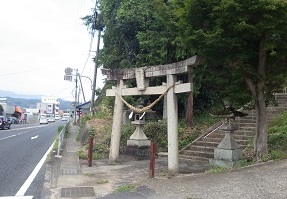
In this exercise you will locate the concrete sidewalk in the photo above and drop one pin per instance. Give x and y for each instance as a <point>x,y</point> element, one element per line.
<point>69,178</point>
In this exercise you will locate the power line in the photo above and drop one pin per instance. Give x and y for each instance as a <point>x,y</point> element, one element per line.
<point>20,72</point>
<point>89,54</point>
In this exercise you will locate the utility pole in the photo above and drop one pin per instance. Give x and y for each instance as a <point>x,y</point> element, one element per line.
<point>95,72</point>
<point>82,89</point>
<point>76,98</point>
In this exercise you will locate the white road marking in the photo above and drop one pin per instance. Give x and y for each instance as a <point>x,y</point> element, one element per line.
<point>32,176</point>
<point>16,197</point>
<point>35,137</point>
<point>39,126</point>
<point>10,136</point>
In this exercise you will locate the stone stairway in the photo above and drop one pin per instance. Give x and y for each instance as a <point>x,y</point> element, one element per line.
<point>202,149</point>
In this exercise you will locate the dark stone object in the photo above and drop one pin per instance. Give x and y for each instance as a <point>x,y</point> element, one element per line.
<point>140,153</point>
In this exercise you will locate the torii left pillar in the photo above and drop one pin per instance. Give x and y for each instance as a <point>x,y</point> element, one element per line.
<point>116,128</point>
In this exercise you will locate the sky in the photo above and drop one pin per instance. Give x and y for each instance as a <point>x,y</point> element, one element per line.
<point>39,39</point>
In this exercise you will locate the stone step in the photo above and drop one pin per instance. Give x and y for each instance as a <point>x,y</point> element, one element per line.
<point>246,123</point>
<point>242,137</point>
<point>248,133</point>
<point>204,154</point>
<point>207,144</point>
<point>193,157</point>
<point>200,148</point>
<point>204,147</point>
<point>216,134</point>
<point>215,144</point>
<point>247,128</point>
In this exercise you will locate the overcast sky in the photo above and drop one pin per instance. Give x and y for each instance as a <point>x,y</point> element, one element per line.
<point>38,40</point>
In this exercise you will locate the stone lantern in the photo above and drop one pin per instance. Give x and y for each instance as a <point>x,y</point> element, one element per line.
<point>227,153</point>
<point>138,144</point>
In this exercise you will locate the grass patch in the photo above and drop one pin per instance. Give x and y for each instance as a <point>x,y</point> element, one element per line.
<point>243,163</point>
<point>102,181</point>
<point>127,187</point>
<point>89,174</point>
<point>218,170</point>
<point>83,155</point>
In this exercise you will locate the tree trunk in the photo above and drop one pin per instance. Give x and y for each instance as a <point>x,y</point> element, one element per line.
<point>257,91</point>
<point>189,110</point>
<point>260,140</point>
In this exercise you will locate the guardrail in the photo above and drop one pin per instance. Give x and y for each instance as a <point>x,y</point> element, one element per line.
<point>61,140</point>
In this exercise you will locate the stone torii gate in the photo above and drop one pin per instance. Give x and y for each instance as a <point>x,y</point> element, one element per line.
<point>171,88</point>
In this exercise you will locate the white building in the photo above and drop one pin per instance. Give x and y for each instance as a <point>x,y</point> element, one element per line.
<point>49,105</point>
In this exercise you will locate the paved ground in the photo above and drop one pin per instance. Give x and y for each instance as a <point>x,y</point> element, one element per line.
<point>67,177</point>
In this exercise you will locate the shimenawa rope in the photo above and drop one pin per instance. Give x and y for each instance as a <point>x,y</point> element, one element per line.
<point>144,109</point>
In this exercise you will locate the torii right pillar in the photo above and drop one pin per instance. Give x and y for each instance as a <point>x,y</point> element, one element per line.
<point>172,123</point>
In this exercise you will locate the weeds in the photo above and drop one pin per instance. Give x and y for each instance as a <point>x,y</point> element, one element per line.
<point>217,170</point>
<point>102,182</point>
<point>128,187</point>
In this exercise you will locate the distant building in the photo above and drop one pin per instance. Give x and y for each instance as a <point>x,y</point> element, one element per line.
<point>31,111</point>
<point>8,110</point>
<point>49,105</point>
<point>67,113</point>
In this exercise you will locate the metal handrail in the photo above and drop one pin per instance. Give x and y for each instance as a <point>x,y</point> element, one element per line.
<point>61,140</point>
<point>210,134</point>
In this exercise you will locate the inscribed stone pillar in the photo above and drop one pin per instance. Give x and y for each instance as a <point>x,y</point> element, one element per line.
<point>117,124</point>
<point>172,123</point>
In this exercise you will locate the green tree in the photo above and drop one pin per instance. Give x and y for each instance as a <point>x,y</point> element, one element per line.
<point>246,37</point>
<point>140,33</point>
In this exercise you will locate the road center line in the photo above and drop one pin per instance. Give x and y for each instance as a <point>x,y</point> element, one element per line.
<point>10,136</point>
<point>32,176</point>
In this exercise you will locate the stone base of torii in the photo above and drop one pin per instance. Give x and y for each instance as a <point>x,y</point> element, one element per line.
<point>172,86</point>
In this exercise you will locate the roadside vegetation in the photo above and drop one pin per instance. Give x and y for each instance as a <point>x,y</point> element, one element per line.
<point>56,143</point>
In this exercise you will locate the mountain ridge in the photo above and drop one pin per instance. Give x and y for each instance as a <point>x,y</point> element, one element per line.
<point>29,101</point>
<point>16,95</point>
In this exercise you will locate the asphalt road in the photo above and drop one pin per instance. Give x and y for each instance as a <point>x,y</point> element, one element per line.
<point>22,147</point>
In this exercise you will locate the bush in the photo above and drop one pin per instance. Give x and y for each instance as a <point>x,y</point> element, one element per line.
<point>277,141</point>
<point>60,128</point>
<point>104,110</point>
<point>277,138</point>
<point>101,150</point>
<point>126,132</point>
<point>277,155</point>
<point>186,136</point>
<point>157,132</point>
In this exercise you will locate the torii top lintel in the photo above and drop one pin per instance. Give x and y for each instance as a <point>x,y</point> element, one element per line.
<point>152,71</point>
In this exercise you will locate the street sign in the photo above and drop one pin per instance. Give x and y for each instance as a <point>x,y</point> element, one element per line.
<point>68,77</point>
<point>68,71</point>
